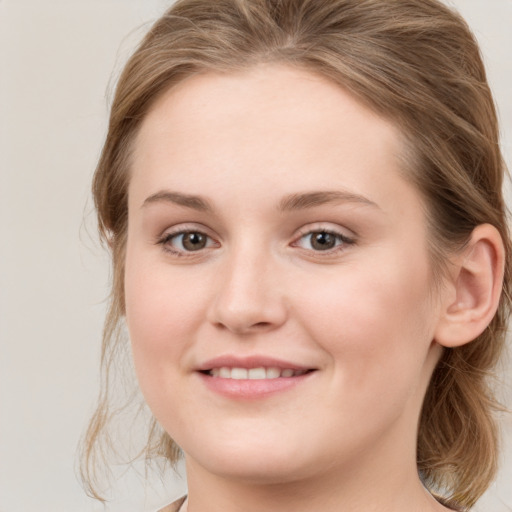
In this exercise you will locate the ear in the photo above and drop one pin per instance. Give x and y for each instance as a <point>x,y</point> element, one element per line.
<point>473,288</point>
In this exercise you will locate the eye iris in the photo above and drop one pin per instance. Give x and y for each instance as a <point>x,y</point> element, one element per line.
<point>322,241</point>
<point>194,241</point>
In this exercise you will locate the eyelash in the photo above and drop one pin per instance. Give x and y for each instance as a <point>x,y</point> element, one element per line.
<point>342,241</point>
<point>165,240</point>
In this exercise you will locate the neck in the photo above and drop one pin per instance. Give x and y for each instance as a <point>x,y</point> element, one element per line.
<point>366,487</point>
<point>378,475</point>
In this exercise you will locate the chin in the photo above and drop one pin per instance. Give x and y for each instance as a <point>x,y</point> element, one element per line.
<point>252,464</point>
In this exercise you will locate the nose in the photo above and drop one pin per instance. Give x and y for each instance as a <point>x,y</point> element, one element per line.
<point>249,295</point>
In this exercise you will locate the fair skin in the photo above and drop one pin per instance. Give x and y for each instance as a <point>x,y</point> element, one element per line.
<point>270,225</point>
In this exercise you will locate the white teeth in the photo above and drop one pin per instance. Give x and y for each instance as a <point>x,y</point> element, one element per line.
<point>259,373</point>
<point>225,373</point>
<point>239,373</point>
<point>273,373</point>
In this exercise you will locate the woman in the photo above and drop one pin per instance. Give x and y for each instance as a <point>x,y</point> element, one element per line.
<point>303,202</point>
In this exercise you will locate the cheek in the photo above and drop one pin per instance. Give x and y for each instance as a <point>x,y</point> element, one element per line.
<point>162,313</point>
<point>375,321</point>
<point>163,308</point>
<point>161,299</point>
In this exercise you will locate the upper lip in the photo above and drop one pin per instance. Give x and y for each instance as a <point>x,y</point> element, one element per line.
<point>255,361</point>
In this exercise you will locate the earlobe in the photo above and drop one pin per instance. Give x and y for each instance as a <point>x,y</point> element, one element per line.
<point>475,288</point>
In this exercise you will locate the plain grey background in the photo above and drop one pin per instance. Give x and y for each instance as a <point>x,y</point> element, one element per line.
<point>58,60</point>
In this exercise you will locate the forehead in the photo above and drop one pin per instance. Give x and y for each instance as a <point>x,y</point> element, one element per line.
<point>271,122</point>
<point>272,92</point>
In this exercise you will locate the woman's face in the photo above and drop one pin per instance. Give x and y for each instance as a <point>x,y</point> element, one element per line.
<point>278,286</point>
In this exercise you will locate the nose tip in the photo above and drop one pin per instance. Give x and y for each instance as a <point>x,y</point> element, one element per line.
<point>244,321</point>
<point>244,315</point>
<point>248,300</point>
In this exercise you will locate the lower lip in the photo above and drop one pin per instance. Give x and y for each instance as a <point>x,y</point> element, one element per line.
<point>249,389</point>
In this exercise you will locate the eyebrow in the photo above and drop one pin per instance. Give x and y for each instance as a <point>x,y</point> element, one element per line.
<point>312,199</point>
<point>189,201</point>
<point>292,202</point>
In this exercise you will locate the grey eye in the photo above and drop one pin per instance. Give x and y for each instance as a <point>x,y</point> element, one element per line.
<point>322,241</point>
<point>192,241</point>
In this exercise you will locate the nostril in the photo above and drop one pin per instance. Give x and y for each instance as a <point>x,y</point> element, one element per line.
<point>258,326</point>
<point>261,325</point>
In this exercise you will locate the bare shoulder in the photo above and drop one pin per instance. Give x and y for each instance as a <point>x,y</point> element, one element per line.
<point>174,506</point>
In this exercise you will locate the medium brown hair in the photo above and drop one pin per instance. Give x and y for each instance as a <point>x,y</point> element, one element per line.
<point>416,63</point>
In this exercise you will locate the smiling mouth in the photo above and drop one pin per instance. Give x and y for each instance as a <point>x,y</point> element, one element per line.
<point>260,373</point>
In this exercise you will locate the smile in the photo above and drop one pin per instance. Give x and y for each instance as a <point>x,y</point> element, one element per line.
<point>252,377</point>
<point>260,373</point>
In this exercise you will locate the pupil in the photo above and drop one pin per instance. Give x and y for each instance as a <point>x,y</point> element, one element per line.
<point>323,241</point>
<point>194,241</point>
